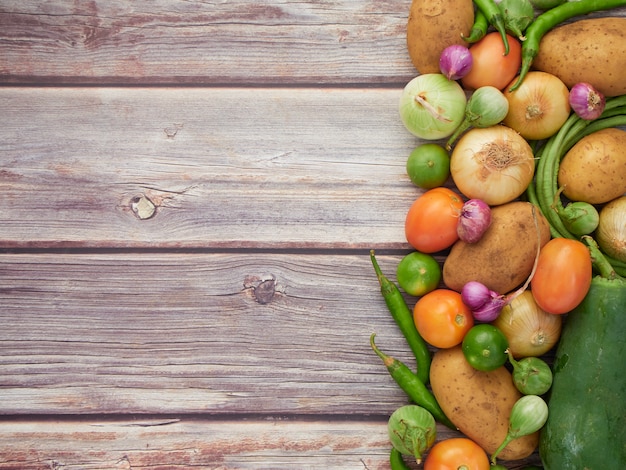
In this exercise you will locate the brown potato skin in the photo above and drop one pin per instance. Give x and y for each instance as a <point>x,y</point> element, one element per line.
<point>594,170</point>
<point>590,50</point>
<point>434,25</point>
<point>478,403</point>
<point>504,257</point>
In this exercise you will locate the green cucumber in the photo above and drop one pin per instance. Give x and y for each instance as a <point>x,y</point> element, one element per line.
<point>586,427</point>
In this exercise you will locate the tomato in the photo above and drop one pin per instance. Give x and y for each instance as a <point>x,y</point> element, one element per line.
<point>484,347</point>
<point>418,273</point>
<point>456,453</point>
<point>432,220</point>
<point>428,166</point>
<point>442,318</point>
<point>490,66</point>
<point>563,275</point>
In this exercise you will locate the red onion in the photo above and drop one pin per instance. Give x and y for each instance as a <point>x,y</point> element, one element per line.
<point>484,303</point>
<point>455,61</point>
<point>474,220</point>
<point>587,102</point>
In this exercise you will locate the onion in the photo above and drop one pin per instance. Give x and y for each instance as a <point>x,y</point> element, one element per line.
<point>539,107</point>
<point>587,102</point>
<point>611,232</point>
<point>494,164</point>
<point>474,220</point>
<point>432,107</point>
<point>484,303</point>
<point>455,61</point>
<point>530,330</point>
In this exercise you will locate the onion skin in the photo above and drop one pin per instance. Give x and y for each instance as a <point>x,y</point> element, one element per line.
<point>494,164</point>
<point>587,102</point>
<point>611,233</point>
<point>530,330</point>
<point>474,221</point>
<point>455,61</point>
<point>432,107</point>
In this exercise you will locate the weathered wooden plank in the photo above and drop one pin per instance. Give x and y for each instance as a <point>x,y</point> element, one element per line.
<point>226,167</point>
<point>159,444</point>
<point>195,333</point>
<point>220,42</point>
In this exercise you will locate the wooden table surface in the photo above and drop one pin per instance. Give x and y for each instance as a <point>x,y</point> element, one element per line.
<point>188,195</point>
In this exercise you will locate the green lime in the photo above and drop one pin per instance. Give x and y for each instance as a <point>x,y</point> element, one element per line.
<point>428,166</point>
<point>484,347</point>
<point>418,273</point>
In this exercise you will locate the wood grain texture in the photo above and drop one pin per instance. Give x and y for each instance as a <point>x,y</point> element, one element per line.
<point>214,444</point>
<point>208,42</point>
<point>195,333</point>
<point>225,167</point>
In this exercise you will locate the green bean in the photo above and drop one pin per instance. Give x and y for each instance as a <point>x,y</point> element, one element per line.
<point>412,385</point>
<point>551,18</point>
<point>479,29</point>
<point>495,18</point>
<point>544,191</point>
<point>396,461</point>
<point>404,319</point>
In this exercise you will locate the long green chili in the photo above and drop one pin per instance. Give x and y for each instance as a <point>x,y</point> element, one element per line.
<point>396,460</point>
<point>495,18</point>
<point>551,18</point>
<point>479,29</point>
<point>404,319</point>
<point>412,385</point>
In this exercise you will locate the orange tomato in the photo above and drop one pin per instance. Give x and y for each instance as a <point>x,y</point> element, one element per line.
<point>455,453</point>
<point>563,275</point>
<point>431,222</point>
<point>442,318</point>
<point>490,66</point>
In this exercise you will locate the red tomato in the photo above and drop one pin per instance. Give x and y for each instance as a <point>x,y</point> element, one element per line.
<point>456,453</point>
<point>442,318</point>
<point>431,222</point>
<point>563,275</point>
<point>490,66</point>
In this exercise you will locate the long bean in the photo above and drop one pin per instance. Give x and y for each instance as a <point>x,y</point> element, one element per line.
<point>551,18</point>
<point>404,319</point>
<point>495,18</point>
<point>412,385</point>
<point>544,191</point>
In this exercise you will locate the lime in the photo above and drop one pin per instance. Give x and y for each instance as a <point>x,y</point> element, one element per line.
<point>418,273</point>
<point>484,347</point>
<point>428,166</point>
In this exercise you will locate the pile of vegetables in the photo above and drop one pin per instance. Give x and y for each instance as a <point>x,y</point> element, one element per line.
<point>518,334</point>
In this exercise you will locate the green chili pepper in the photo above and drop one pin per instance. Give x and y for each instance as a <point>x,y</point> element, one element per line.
<point>479,29</point>
<point>551,18</point>
<point>494,16</point>
<point>412,385</point>
<point>396,460</point>
<point>404,319</point>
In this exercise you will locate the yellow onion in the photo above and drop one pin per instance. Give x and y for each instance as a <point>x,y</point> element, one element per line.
<point>611,232</point>
<point>530,330</point>
<point>494,164</point>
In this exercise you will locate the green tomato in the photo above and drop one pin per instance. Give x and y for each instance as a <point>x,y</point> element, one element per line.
<point>428,166</point>
<point>418,273</point>
<point>485,347</point>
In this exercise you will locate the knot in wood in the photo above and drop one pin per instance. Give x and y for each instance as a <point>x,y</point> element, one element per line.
<point>264,292</point>
<point>143,207</point>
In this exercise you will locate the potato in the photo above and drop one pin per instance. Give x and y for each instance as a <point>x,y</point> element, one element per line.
<point>434,25</point>
<point>478,403</point>
<point>504,257</point>
<point>594,170</point>
<point>590,50</point>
